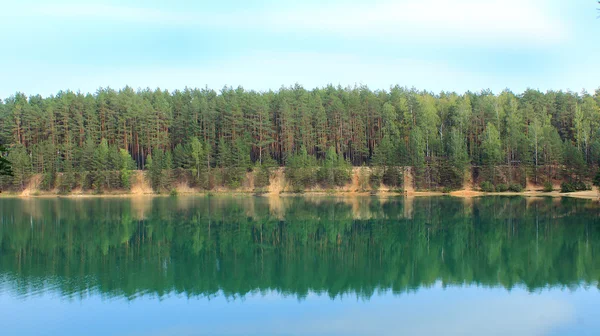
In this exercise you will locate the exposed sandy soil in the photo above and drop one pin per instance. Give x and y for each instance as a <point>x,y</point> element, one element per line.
<point>32,186</point>
<point>466,193</point>
<point>530,186</point>
<point>588,194</point>
<point>355,185</point>
<point>139,185</point>
<point>276,182</point>
<point>409,184</point>
<point>278,187</point>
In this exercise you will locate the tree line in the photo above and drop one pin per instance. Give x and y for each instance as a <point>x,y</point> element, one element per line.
<point>235,246</point>
<point>214,138</point>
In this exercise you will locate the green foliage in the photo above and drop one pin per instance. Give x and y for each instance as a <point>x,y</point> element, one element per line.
<point>101,166</point>
<point>487,187</point>
<point>198,159</point>
<point>501,187</point>
<point>386,160</point>
<point>67,180</point>
<point>515,187</point>
<point>87,158</point>
<point>21,166</point>
<point>384,153</point>
<point>334,171</point>
<point>241,153</point>
<point>158,170</point>
<point>575,166</point>
<point>450,176</point>
<point>232,177</point>
<point>224,134</point>
<point>125,160</point>
<point>458,158</point>
<point>566,187</point>
<point>393,177</point>
<point>48,181</point>
<point>167,167</point>
<point>596,181</point>
<point>417,155</point>
<point>125,176</point>
<point>363,179</point>
<point>491,146</point>
<point>101,156</point>
<point>182,156</point>
<point>573,186</point>
<point>232,171</point>
<point>261,178</point>
<point>301,170</point>
<point>5,167</point>
<point>548,186</point>
<point>262,173</point>
<point>125,164</point>
<point>198,155</point>
<point>375,179</point>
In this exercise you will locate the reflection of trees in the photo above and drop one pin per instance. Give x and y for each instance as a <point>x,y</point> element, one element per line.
<point>238,245</point>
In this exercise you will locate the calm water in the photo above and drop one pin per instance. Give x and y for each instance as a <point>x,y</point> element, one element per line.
<point>299,266</point>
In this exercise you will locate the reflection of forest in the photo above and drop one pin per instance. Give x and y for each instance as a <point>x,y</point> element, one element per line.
<point>203,245</point>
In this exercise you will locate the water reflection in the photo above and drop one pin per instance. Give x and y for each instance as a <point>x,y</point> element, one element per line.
<point>236,246</point>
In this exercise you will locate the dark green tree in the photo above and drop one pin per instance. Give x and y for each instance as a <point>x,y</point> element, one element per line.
<point>5,167</point>
<point>21,166</point>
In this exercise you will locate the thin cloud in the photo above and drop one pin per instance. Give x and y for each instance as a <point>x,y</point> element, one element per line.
<point>263,71</point>
<point>121,14</point>
<point>430,21</point>
<point>490,21</point>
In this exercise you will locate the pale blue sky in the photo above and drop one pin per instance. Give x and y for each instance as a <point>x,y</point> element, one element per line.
<point>436,45</point>
<point>452,310</point>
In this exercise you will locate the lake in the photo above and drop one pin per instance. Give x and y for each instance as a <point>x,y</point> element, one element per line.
<point>244,265</point>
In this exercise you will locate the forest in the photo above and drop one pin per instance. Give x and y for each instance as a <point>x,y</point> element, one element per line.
<point>209,138</point>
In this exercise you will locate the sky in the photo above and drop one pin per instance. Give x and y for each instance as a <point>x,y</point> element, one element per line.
<point>451,310</point>
<point>434,45</point>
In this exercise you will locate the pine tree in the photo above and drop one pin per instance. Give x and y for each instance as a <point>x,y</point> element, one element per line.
<point>197,154</point>
<point>167,167</point>
<point>154,166</point>
<point>326,174</point>
<point>126,166</point>
<point>240,129</point>
<point>491,149</point>
<point>101,166</point>
<point>241,152</point>
<point>181,156</point>
<point>67,180</point>
<point>21,166</point>
<point>5,166</point>
<point>88,156</point>
<point>385,162</point>
<point>458,159</point>
<point>417,155</point>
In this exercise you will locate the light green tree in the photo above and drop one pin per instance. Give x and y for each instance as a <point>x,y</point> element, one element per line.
<point>21,166</point>
<point>197,152</point>
<point>491,147</point>
<point>5,166</point>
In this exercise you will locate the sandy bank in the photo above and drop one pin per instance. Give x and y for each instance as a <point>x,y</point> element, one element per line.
<point>465,193</point>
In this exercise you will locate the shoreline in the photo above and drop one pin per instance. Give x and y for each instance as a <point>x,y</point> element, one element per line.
<point>279,187</point>
<point>464,193</point>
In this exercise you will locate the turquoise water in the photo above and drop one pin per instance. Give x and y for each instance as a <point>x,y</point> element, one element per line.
<point>299,266</point>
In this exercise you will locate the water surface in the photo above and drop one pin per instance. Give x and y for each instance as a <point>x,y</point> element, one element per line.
<point>242,265</point>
